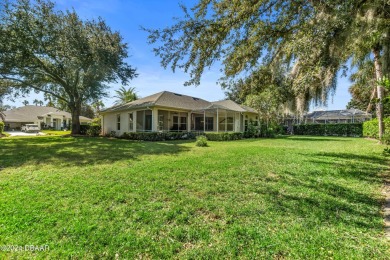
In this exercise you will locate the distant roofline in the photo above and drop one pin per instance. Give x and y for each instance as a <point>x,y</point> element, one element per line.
<point>152,103</point>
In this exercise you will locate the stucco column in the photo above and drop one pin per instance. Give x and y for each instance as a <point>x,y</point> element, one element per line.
<point>135,121</point>
<point>102,131</point>
<point>237,126</point>
<point>217,121</point>
<point>189,122</point>
<point>154,120</point>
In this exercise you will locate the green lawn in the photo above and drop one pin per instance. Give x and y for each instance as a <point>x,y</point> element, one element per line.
<point>295,197</point>
<point>56,132</point>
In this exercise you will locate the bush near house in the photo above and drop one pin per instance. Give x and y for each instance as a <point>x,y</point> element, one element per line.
<point>90,130</point>
<point>201,141</point>
<point>224,136</point>
<point>1,127</point>
<point>370,128</point>
<point>354,130</point>
<point>157,136</point>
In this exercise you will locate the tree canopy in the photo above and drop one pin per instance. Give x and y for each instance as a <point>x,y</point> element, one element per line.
<point>124,95</point>
<point>314,39</point>
<point>57,53</point>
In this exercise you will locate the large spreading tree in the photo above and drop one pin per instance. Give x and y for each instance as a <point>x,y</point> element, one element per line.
<point>316,39</point>
<point>57,53</point>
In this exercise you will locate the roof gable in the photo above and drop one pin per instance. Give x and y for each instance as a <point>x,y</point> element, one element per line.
<point>178,101</point>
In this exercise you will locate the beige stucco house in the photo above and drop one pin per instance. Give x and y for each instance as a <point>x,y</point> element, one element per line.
<point>172,112</point>
<point>44,117</point>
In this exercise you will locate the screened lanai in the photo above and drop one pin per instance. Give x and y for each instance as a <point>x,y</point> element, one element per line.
<point>214,118</point>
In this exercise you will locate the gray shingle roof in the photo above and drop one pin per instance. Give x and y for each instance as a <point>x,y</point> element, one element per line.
<point>31,113</point>
<point>336,114</point>
<point>230,105</point>
<point>178,101</point>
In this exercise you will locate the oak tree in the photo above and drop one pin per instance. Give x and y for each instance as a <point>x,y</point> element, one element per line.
<point>57,53</point>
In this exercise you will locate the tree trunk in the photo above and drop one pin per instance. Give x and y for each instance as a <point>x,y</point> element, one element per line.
<point>379,105</point>
<point>75,108</point>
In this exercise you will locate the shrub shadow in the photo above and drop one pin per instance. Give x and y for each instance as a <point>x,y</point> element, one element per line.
<point>316,138</point>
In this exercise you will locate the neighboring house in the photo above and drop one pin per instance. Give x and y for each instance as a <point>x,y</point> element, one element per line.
<point>329,117</point>
<point>167,111</point>
<point>336,116</point>
<point>44,117</point>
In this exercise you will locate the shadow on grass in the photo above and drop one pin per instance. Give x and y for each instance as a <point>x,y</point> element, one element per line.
<point>315,138</point>
<point>356,166</point>
<point>356,158</point>
<point>328,201</point>
<point>332,195</point>
<point>70,151</point>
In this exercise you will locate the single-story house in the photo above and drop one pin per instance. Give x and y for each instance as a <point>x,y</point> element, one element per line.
<point>328,117</point>
<point>44,117</point>
<point>336,116</point>
<point>166,111</point>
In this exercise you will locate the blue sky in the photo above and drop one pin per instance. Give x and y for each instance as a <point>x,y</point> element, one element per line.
<point>126,16</point>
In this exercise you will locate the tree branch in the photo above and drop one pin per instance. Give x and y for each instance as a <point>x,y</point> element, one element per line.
<point>36,88</point>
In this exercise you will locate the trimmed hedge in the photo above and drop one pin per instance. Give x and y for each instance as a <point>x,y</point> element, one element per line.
<point>370,128</point>
<point>224,136</point>
<point>90,130</point>
<point>156,136</point>
<point>1,127</point>
<point>355,129</point>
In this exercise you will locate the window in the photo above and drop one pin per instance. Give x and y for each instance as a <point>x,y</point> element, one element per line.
<point>131,126</point>
<point>183,123</point>
<point>230,124</point>
<point>226,124</point>
<point>179,123</point>
<point>118,122</point>
<point>148,122</point>
<point>160,122</point>
<point>209,124</point>
<point>200,124</point>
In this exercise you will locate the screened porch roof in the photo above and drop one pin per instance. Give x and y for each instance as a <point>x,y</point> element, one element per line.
<point>178,101</point>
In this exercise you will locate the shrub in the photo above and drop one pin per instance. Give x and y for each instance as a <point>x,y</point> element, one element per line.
<point>157,136</point>
<point>93,130</point>
<point>225,136</point>
<point>386,152</point>
<point>386,139</point>
<point>355,129</point>
<point>201,141</point>
<point>252,130</point>
<point>1,127</point>
<point>370,128</point>
<point>269,133</point>
<point>90,130</point>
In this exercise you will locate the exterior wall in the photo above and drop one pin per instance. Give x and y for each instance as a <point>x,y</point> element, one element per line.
<point>162,120</point>
<point>109,123</point>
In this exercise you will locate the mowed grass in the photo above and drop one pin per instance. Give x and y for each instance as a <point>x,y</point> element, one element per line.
<point>291,197</point>
<point>56,132</point>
